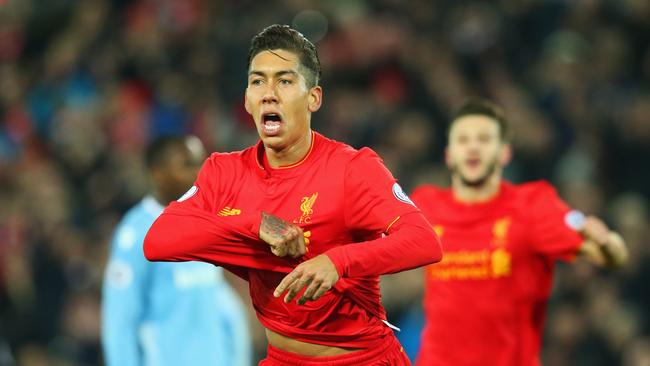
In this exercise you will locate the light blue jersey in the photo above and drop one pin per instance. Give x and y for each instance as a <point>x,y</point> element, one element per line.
<point>156,314</point>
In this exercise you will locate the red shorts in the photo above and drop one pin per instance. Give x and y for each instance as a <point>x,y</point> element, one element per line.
<point>387,352</point>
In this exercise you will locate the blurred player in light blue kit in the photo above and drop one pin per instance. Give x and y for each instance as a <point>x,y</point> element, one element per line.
<point>168,313</point>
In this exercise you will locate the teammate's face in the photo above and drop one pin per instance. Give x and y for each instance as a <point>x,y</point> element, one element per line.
<point>279,100</point>
<point>475,151</point>
<point>180,169</point>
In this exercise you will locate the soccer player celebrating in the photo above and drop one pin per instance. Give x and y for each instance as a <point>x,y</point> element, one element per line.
<point>484,304</point>
<point>168,313</point>
<point>301,217</point>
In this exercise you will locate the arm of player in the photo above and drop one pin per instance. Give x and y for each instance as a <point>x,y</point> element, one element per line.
<point>285,239</point>
<point>410,243</point>
<point>123,299</point>
<point>186,233</point>
<point>190,230</point>
<point>601,246</point>
<point>377,204</point>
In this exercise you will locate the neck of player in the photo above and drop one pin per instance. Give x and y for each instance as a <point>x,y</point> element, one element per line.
<point>290,154</point>
<point>476,193</point>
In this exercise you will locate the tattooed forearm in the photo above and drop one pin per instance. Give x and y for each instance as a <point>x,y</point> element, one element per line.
<point>283,238</point>
<point>274,225</point>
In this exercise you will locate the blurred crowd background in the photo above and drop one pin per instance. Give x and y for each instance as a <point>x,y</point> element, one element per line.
<point>84,85</point>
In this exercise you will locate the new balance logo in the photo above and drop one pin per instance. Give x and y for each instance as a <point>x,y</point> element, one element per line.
<point>227,211</point>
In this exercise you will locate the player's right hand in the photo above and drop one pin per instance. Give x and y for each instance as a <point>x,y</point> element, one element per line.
<point>595,229</point>
<point>285,239</point>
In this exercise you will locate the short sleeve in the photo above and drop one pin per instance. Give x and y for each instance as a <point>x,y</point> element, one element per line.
<point>554,225</point>
<point>374,199</point>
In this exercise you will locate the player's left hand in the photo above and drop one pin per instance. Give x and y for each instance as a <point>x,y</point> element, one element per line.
<point>318,274</point>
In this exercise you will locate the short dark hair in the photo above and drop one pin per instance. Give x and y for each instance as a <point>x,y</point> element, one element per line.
<point>158,151</point>
<point>487,108</point>
<point>283,37</point>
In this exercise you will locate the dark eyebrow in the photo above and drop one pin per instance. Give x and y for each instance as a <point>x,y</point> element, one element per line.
<point>277,74</point>
<point>286,72</point>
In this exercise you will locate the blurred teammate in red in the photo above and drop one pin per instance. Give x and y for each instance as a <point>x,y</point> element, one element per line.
<point>300,216</point>
<point>485,303</point>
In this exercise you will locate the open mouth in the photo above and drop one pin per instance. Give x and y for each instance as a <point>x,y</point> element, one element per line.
<point>473,162</point>
<point>271,123</point>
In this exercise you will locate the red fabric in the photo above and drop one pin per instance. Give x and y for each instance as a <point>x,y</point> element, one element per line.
<point>342,198</point>
<point>186,233</point>
<point>399,251</point>
<point>386,352</point>
<point>485,302</point>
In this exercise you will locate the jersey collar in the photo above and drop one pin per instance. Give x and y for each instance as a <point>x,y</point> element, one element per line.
<point>266,170</point>
<point>504,188</point>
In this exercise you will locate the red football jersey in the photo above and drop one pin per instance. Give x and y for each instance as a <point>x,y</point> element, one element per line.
<point>343,199</point>
<point>485,303</point>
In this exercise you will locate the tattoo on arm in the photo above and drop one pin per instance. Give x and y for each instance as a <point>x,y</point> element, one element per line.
<point>274,225</point>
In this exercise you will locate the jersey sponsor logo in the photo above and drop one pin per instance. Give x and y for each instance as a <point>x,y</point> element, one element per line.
<point>227,211</point>
<point>119,274</point>
<point>472,265</point>
<point>574,219</point>
<point>495,261</point>
<point>501,263</point>
<point>190,192</point>
<point>306,206</point>
<point>398,192</point>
